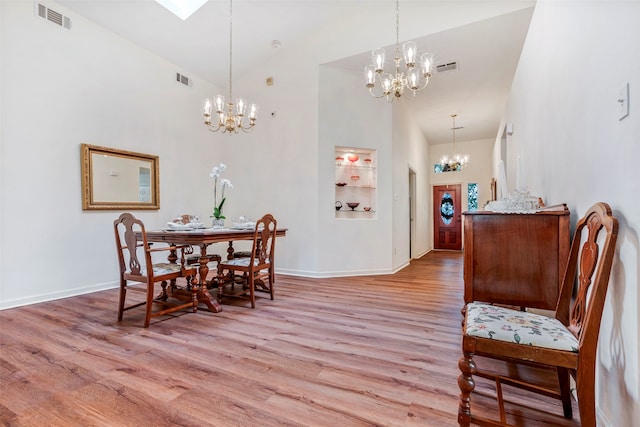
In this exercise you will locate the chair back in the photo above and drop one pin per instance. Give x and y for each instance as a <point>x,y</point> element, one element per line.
<point>127,244</point>
<point>264,241</point>
<point>590,261</point>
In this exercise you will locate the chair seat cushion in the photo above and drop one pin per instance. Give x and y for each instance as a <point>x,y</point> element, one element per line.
<point>242,254</point>
<point>520,327</point>
<point>193,259</point>
<point>165,268</point>
<point>241,262</point>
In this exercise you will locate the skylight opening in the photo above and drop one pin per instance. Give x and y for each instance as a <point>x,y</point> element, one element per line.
<point>182,8</point>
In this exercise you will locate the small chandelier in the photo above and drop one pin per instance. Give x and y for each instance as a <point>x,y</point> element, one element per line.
<point>412,78</point>
<point>229,121</point>
<point>457,161</point>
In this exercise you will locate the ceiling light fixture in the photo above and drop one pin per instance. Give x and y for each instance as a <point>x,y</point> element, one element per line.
<point>229,121</point>
<point>412,78</point>
<point>457,161</point>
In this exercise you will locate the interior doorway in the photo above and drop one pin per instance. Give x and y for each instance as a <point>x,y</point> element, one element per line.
<point>412,211</point>
<point>447,217</point>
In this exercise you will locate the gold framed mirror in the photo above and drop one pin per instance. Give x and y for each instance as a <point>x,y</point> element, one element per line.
<point>115,179</point>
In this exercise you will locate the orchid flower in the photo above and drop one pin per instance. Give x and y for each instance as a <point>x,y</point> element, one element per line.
<point>216,172</point>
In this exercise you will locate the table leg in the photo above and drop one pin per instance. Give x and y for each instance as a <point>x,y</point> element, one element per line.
<point>203,293</point>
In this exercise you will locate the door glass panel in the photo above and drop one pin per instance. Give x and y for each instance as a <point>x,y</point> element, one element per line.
<point>473,196</point>
<point>446,208</point>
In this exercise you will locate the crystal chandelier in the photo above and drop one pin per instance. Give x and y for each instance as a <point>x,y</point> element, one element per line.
<point>229,121</point>
<point>411,77</point>
<point>457,161</point>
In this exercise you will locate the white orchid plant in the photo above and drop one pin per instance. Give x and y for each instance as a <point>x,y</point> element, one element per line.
<point>216,173</point>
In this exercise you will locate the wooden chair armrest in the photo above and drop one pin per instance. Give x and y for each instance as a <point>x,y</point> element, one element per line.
<point>139,245</point>
<point>166,248</point>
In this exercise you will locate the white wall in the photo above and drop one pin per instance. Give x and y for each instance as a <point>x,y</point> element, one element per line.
<point>349,117</point>
<point>410,151</point>
<point>379,244</point>
<point>565,113</point>
<point>61,88</point>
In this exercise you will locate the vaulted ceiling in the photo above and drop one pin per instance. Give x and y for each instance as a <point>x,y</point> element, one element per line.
<point>486,51</point>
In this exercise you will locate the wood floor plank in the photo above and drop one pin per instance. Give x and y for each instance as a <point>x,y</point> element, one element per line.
<point>346,351</point>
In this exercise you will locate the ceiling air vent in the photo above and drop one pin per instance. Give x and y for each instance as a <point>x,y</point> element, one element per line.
<point>450,66</point>
<point>183,79</point>
<point>53,16</point>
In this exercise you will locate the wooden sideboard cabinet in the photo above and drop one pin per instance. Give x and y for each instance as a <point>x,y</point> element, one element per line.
<point>515,259</point>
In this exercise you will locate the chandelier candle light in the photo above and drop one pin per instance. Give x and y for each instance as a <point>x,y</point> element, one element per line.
<point>411,77</point>
<point>229,121</point>
<point>457,161</point>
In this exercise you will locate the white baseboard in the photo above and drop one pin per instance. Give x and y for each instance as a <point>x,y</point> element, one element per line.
<point>327,274</point>
<point>601,419</point>
<point>19,302</point>
<point>421,254</point>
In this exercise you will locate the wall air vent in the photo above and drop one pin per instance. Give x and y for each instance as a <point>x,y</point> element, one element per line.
<point>53,16</point>
<point>449,66</point>
<point>183,79</point>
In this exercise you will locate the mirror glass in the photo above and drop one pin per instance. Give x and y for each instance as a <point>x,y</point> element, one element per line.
<point>118,179</point>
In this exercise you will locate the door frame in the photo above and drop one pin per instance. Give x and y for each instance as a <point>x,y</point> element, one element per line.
<point>463,203</point>
<point>412,211</point>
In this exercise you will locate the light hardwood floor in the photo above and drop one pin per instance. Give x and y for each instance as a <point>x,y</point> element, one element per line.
<point>353,351</point>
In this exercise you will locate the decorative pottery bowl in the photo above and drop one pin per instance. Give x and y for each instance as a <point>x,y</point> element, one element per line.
<point>367,208</point>
<point>353,205</point>
<point>341,184</point>
<point>353,158</point>
<point>338,205</point>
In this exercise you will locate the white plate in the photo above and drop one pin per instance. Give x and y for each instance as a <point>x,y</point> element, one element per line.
<point>247,226</point>
<point>178,227</point>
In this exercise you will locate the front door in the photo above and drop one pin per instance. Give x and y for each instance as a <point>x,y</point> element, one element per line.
<point>447,218</point>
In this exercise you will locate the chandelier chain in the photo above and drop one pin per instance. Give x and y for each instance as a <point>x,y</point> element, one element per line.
<point>454,131</point>
<point>230,116</point>
<point>230,50</point>
<point>397,28</point>
<point>456,161</point>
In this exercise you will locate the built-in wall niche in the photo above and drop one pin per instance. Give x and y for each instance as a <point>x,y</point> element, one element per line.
<point>355,183</point>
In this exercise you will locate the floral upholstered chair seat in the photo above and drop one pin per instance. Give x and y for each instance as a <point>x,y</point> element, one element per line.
<point>166,268</point>
<point>520,327</point>
<point>244,262</point>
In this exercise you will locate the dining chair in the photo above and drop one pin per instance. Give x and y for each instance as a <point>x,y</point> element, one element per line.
<point>241,277</point>
<point>566,342</point>
<point>137,267</point>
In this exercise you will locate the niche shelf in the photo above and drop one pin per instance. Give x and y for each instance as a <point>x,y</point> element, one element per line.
<point>355,182</point>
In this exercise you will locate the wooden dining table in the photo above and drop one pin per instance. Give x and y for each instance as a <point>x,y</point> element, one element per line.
<point>202,238</point>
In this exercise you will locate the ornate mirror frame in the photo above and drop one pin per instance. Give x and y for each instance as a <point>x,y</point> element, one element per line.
<point>114,179</point>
